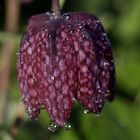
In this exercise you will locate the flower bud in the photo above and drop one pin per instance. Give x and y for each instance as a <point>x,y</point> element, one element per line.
<point>65,59</point>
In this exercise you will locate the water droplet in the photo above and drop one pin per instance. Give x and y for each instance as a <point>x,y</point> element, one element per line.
<point>100,100</point>
<point>97,21</point>
<point>96,101</point>
<point>106,64</point>
<point>49,35</point>
<point>53,15</point>
<point>97,115</point>
<point>104,34</point>
<point>33,109</point>
<point>107,92</point>
<point>86,111</point>
<point>72,31</point>
<point>74,100</point>
<point>112,61</point>
<point>52,126</point>
<point>24,99</point>
<point>66,17</point>
<point>38,50</point>
<point>21,62</point>
<point>99,90</point>
<point>80,26</point>
<point>52,77</point>
<point>36,118</point>
<point>29,51</point>
<point>100,105</point>
<point>83,36</point>
<point>17,53</point>
<point>42,107</point>
<point>29,110</point>
<point>67,126</point>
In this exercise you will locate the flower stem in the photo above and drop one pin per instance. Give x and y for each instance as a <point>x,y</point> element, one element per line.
<point>56,8</point>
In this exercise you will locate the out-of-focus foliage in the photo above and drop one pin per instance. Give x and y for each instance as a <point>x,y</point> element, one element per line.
<point>120,120</point>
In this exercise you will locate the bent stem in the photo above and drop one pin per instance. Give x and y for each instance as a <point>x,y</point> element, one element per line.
<point>56,7</point>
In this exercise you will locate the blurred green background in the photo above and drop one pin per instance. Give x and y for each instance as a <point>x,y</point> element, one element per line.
<point>119,120</point>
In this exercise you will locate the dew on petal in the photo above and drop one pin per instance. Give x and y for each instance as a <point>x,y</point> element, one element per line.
<point>66,17</point>
<point>53,127</point>
<point>67,126</point>
<point>74,100</point>
<point>52,78</point>
<point>29,50</point>
<point>86,111</point>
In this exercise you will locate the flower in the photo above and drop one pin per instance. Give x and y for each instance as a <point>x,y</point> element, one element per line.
<point>63,59</point>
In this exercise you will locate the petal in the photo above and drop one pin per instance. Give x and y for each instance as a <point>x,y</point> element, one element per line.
<point>50,59</point>
<point>38,22</point>
<point>96,67</point>
<point>61,73</point>
<point>28,83</point>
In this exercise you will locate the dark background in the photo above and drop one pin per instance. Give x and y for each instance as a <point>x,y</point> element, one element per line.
<point>119,120</point>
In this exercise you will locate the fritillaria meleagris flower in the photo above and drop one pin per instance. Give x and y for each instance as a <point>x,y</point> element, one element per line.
<point>63,58</point>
